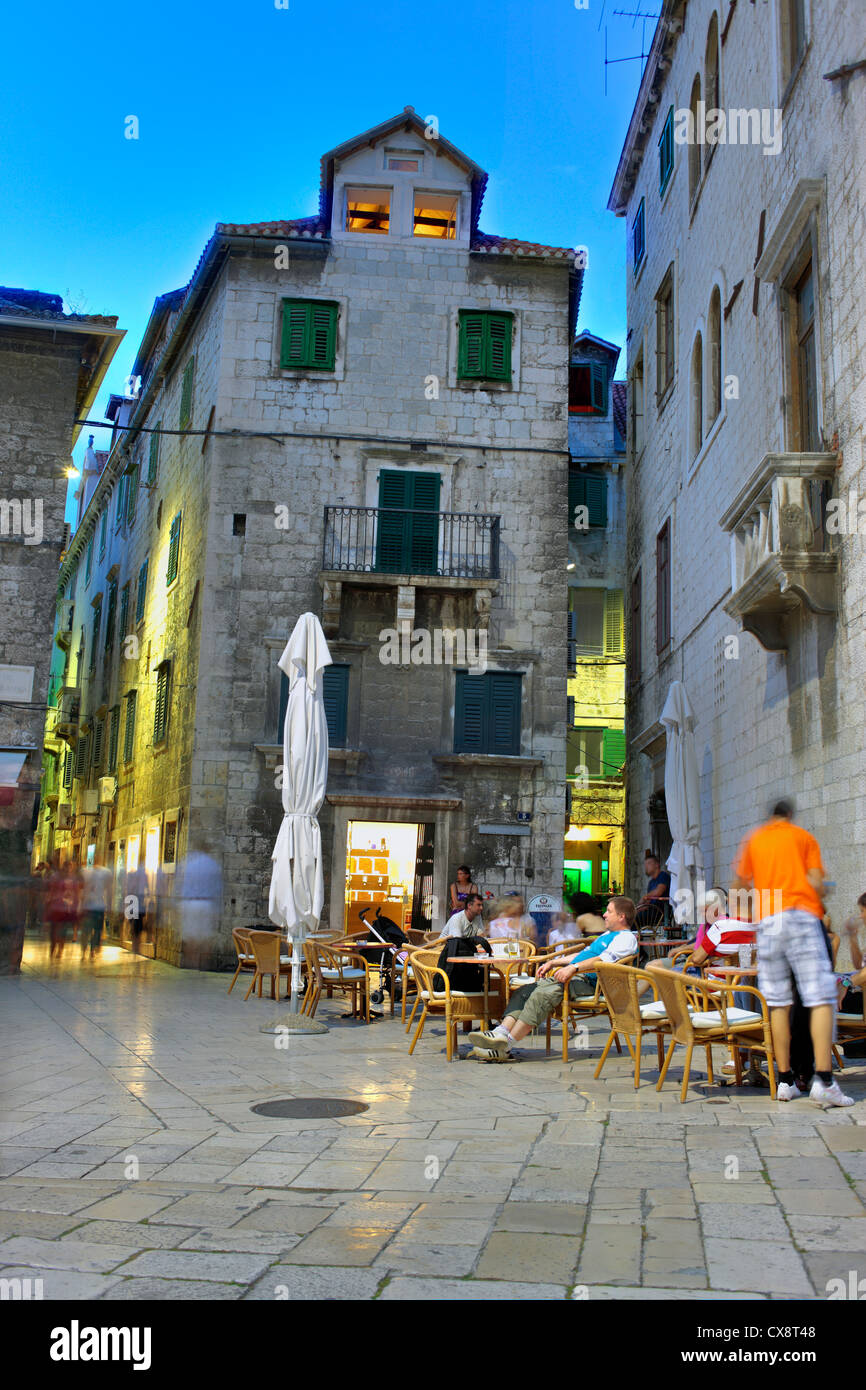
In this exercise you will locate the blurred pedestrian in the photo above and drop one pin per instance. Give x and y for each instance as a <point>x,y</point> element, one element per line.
<point>96,884</point>
<point>62,895</point>
<point>198,892</point>
<point>135,905</point>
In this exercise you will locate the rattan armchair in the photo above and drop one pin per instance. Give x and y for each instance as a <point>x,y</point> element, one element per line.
<point>332,969</point>
<point>588,1007</point>
<point>630,1018</point>
<point>436,996</point>
<point>704,1014</point>
<point>268,949</point>
<point>246,959</point>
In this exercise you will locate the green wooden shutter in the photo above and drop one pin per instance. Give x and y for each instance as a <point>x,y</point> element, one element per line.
<point>392,529</point>
<point>595,493</point>
<point>613,622</point>
<point>295,337</point>
<point>153,457</point>
<point>88,566</point>
<point>94,635</point>
<point>504,713</point>
<point>309,334</point>
<point>576,495</point>
<point>113,731</point>
<point>323,336</point>
<point>121,501</point>
<point>103,526</point>
<point>471,714</point>
<point>613,752</point>
<point>185,418</point>
<point>82,751</point>
<point>173,551</point>
<point>132,495</point>
<point>160,709</point>
<point>110,615</point>
<point>68,766</point>
<point>141,590</point>
<point>335,692</point>
<point>598,387</point>
<point>424,530</point>
<point>123,621</point>
<point>129,730</point>
<point>470,350</point>
<point>98,743</point>
<point>499,347</point>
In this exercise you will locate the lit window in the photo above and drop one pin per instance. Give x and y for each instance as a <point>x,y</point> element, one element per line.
<point>405,166</point>
<point>435,215</point>
<point>368,210</point>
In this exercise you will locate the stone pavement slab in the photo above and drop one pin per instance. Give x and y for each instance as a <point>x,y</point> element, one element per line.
<point>536,1257</point>
<point>234,1268</point>
<point>88,1257</point>
<point>494,1290</point>
<point>732,1265</point>
<point>65,1285</point>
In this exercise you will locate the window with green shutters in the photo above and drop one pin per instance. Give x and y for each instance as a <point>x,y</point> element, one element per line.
<point>141,592</point>
<point>587,490</point>
<point>407,534</point>
<point>68,768</point>
<point>129,728</point>
<point>613,752</point>
<point>123,620</point>
<point>113,732</point>
<point>88,564</point>
<point>335,693</point>
<point>487,713</point>
<point>598,616</point>
<point>160,710</point>
<point>103,527</point>
<point>309,336</point>
<point>484,345</point>
<point>153,455</point>
<point>94,636</point>
<point>173,551</point>
<point>614,623</point>
<point>82,755</point>
<point>587,388</point>
<point>132,495</point>
<point>185,418</point>
<point>110,614</point>
<point>98,743</point>
<point>638,238</point>
<point>666,152</point>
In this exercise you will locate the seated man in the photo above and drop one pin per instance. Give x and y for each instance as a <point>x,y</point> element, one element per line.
<point>719,935</point>
<point>469,921</point>
<point>651,908</point>
<point>531,1005</point>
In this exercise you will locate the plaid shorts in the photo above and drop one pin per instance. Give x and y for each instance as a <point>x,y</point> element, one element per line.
<point>791,944</point>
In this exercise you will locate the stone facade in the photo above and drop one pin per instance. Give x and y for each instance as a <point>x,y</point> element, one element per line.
<point>285,443</point>
<point>746,445</point>
<point>51,365</point>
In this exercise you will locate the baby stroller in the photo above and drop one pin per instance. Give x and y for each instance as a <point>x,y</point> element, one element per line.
<point>386,931</point>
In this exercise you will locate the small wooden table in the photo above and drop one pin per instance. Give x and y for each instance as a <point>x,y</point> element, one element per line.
<point>488,962</point>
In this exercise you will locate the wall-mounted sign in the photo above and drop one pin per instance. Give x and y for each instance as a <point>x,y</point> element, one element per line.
<point>524,816</point>
<point>545,902</point>
<point>504,830</point>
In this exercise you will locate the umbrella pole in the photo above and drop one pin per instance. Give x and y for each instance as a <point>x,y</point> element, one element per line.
<point>294,1022</point>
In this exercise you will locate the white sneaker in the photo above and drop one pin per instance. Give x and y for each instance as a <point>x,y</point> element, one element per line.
<point>490,1041</point>
<point>787,1091</point>
<point>829,1095</point>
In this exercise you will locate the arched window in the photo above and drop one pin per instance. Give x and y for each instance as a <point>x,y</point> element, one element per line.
<point>714,376</point>
<point>696,399</point>
<point>694,146</point>
<point>711,66</point>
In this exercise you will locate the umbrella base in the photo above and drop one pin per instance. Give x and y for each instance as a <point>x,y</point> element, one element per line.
<point>294,1024</point>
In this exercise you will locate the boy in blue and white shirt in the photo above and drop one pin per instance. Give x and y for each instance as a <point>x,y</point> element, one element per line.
<point>531,1005</point>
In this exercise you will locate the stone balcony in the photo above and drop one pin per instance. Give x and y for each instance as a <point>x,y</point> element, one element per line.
<point>779,555</point>
<point>406,549</point>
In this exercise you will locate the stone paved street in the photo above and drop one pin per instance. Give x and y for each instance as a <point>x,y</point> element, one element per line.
<point>470,1180</point>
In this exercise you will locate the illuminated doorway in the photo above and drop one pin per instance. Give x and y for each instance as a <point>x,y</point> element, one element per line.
<point>389,865</point>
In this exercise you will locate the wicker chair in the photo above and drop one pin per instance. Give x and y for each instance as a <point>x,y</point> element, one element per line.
<point>267,948</point>
<point>437,997</point>
<point>334,969</point>
<point>572,1009</point>
<point>704,1013</point>
<point>246,959</point>
<point>630,1018</point>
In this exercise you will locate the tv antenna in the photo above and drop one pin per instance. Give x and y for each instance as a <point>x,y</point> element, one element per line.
<point>634,16</point>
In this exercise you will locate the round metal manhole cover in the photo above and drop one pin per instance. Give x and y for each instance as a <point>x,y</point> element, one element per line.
<point>309,1108</point>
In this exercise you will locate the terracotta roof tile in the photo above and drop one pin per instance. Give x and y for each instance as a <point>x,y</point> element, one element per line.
<point>619,396</point>
<point>512,246</point>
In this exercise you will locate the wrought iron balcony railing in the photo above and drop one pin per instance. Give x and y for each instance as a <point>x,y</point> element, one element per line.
<point>392,540</point>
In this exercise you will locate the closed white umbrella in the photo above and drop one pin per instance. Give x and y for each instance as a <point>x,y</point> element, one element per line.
<point>682,797</point>
<point>297,893</point>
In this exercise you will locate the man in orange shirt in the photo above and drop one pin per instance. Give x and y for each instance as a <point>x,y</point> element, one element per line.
<point>782,862</point>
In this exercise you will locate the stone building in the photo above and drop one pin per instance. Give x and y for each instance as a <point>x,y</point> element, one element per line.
<point>595,834</point>
<point>742,185</point>
<point>361,414</point>
<point>51,367</point>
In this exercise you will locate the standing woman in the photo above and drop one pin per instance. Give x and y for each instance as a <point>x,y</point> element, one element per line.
<point>461,888</point>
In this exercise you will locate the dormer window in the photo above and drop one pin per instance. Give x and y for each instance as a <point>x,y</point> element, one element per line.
<point>435,215</point>
<point>368,210</point>
<point>587,388</point>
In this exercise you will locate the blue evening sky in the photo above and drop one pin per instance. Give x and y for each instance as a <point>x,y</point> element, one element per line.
<point>236,102</point>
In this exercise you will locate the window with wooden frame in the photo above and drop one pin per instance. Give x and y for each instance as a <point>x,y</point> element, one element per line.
<point>696,398</point>
<point>587,491</point>
<point>638,237</point>
<point>484,345</point>
<point>94,636</point>
<point>792,16</point>
<point>88,562</point>
<point>173,564</point>
<point>141,591</point>
<point>714,362</point>
<point>435,215</point>
<point>638,406</point>
<point>487,713</point>
<point>98,744</point>
<point>161,702</point>
<point>186,390</point>
<point>666,152</point>
<point>636,629</point>
<point>131,494</point>
<point>588,388</point>
<point>665,334</point>
<point>153,455</point>
<point>110,612</point>
<point>103,527</point>
<point>120,501</point>
<point>598,622</point>
<point>696,144</point>
<point>663,588</point>
<point>113,732</point>
<point>82,755</point>
<point>368,210</point>
<point>711,76</point>
<point>309,334</point>
<point>800,322</point>
<point>123,618</point>
<point>129,726</point>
